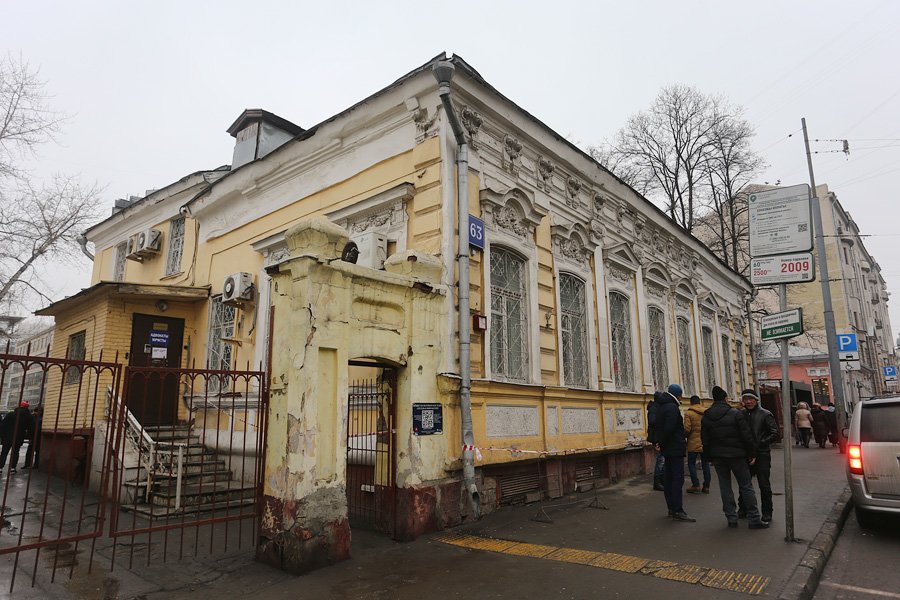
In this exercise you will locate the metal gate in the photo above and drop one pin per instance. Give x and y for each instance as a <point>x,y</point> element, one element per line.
<point>104,488</point>
<point>371,461</point>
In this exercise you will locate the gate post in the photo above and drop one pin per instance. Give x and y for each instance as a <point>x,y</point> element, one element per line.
<point>304,514</point>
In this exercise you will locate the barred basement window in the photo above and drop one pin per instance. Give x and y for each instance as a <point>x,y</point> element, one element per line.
<point>218,352</point>
<point>509,321</point>
<point>742,365</point>
<point>728,364</point>
<point>620,324</point>
<point>658,358</point>
<point>685,356</point>
<point>573,324</point>
<point>176,246</point>
<point>709,359</point>
<point>119,271</point>
<point>76,351</point>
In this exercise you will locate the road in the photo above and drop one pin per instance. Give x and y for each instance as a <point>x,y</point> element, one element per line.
<point>863,564</point>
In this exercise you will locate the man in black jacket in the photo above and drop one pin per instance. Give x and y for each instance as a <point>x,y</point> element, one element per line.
<point>671,443</point>
<point>16,427</point>
<point>659,465</point>
<point>765,432</point>
<point>729,443</point>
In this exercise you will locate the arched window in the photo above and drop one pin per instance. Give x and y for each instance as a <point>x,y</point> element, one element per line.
<point>709,359</point>
<point>620,326</point>
<point>573,325</point>
<point>685,357</point>
<point>658,358</point>
<point>742,369</point>
<point>509,315</point>
<point>727,364</point>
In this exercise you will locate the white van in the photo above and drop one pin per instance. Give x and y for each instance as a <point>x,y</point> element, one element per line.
<point>873,453</point>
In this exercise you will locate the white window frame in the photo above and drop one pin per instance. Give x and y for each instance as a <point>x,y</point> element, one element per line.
<point>687,386</point>
<point>219,353</point>
<point>728,364</point>
<point>708,352</point>
<point>528,324</point>
<point>665,350</point>
<point>629,305</point>
<point>741,361</point>
<point>175,251</point>
<point>587,326</point>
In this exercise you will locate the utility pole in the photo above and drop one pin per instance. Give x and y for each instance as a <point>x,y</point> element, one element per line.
<point>834,364</point>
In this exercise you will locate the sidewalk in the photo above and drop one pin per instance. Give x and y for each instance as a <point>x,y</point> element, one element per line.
<point>630,550</point>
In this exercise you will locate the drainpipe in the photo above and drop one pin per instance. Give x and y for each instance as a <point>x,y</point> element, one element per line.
<point>443,72</point>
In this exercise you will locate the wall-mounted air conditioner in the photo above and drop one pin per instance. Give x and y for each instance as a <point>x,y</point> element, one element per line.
<point>238,287</point>
<point>147,242</point>
<point>131,248</point>
<point>372,249</point>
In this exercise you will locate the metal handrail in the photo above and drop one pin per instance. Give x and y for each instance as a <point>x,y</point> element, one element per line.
<point>135,431</point>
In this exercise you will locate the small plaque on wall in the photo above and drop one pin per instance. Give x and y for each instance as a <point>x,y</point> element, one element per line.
<point>428,419</point>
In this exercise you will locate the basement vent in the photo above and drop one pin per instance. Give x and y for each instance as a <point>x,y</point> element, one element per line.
<point>513,488</point>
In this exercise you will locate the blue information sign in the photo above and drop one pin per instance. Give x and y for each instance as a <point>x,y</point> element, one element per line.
<point>159,338</point>
<point>476,232</point>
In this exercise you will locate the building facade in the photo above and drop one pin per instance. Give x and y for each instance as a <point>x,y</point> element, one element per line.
<point>584,300</point>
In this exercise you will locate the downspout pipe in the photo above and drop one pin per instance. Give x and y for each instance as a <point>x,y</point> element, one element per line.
<point>443,71</point>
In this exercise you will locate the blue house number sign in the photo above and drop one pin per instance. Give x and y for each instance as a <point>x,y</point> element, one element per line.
<point>476,232</point>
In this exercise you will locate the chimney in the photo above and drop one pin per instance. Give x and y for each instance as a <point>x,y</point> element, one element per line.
<point>258,132</point>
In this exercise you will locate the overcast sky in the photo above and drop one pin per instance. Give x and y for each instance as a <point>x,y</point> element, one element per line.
<point>152,86</point>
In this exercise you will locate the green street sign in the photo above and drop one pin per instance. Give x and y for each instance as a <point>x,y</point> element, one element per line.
<point>782,325</point>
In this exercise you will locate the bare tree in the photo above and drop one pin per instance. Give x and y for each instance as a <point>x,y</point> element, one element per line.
<point>38,222</point>
<point>664,151</point>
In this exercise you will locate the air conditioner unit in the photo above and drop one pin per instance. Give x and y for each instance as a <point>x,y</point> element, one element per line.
<point>372,249</point>
<point>147,242</point>
<point>237,288</point>
<point>131,249</point>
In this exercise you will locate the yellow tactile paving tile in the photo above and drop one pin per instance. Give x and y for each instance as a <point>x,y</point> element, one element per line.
<point>714,578</point>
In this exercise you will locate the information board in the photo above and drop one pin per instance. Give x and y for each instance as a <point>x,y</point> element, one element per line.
<point>428,419</point>
<point>780,221</point>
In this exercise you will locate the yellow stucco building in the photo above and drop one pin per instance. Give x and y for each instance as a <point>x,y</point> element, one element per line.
<point>584,299</point>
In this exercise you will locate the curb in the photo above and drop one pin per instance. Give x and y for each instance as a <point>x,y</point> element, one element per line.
<point>804,580</point>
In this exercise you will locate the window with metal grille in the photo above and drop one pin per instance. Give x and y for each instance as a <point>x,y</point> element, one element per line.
<point>75,351</point>
<point>119,271</point>
<point>728,364</point>
<point>573,325</point>
<point>620,324</point>
<point>658,358</point>
<point>218,351</point>
<point>742,364</point>
<point>176,246</point>
<point>709,359</point>
<point>685,356</point>
<point>509,319</point>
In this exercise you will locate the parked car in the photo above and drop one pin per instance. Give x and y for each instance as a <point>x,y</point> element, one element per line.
<point>873,459</point>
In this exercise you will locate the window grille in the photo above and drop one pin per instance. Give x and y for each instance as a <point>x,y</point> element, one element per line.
<point>728,364</point>
<point>573,324</point>
<point>685,356</point>
<point>76,351</point>
<point>742,364</point>
<point>658,358</point>
<point>176,246</point>
<point>218,351</point>
<point>509,319</point>
<point>620,324</point>
<point>119,272</point>
<point>709,359</point>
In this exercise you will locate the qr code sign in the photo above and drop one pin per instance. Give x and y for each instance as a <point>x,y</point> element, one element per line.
<point>428,419</point>
<point>802,227</point>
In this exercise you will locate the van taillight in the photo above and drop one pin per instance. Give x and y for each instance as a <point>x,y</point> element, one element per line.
<point>854,453</point>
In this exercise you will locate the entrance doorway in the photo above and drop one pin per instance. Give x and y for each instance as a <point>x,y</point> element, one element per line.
<point>371,462</point>
<point>155,342</point>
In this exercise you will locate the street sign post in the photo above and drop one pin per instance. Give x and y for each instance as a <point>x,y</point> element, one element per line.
<point>780,221</point>
<point>784,268</point>
<point>782,325</point>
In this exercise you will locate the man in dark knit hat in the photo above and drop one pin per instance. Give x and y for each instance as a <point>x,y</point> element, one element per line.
<point>729,443</point>
<point>765,431</point>
<point>670,441</point>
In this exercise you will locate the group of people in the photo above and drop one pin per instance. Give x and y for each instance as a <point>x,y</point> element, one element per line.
<point>819,422</point>
<point>735,442</point>
<point>16,428</point>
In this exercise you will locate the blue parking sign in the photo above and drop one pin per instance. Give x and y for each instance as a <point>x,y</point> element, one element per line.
<point>846,342</point>
<point>890,373</point>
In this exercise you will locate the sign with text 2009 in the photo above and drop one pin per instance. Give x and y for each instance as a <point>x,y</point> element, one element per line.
<point>780,221</point>
<point>785,268</point>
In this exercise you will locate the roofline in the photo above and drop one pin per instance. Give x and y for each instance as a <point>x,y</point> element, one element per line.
<point>128,289</point>
<point>262,115</point>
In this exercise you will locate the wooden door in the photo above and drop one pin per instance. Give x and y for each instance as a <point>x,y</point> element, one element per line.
<point>155,342</point>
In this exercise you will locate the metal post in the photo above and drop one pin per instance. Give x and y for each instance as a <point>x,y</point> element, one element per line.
<point>178,476</point>
<point>786,422</point>
<point>834,365</point>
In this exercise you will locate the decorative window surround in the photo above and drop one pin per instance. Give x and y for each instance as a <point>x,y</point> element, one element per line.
<point>622,267</point>
<point>383,213</point>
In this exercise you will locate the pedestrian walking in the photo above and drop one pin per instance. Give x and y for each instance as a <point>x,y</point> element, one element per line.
<point>831,419</point>
<point>658,466</point>
<point>820,425</point>
<point>33,454</point>
<point>16,427</point>
<point>765,432</point>
<point>803,421</point>
<point>671,442</point>
<point>729,444</point>
<point>692,418</point>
